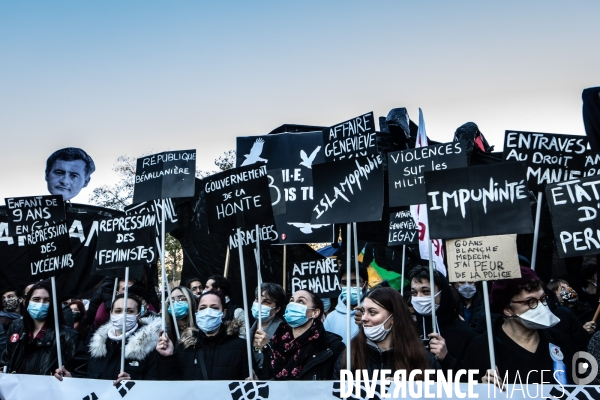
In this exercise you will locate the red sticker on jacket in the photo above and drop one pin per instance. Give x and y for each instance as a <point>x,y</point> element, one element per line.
<point>14,338</point>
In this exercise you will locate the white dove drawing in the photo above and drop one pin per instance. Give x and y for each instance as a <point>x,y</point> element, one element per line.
<point>306,228</point>
<point>255,151</point>
<point>307,161</point>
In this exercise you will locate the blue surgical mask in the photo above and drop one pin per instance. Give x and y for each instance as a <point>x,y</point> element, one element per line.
<point>209,319</point>
<point>181,309</point>
<point>326,304</point>
<point>295,314</point>
<point>265,312</point>
<point>38,311</point>
<point>355,297</point>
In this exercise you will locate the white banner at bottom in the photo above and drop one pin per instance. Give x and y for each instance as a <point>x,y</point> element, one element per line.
<point>24,387</point>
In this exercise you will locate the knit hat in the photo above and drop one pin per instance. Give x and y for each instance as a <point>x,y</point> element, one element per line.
<point>505,289</point>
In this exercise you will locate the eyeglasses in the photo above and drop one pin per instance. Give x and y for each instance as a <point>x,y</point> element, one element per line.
<point>533,303</point>
<point>179,298</point>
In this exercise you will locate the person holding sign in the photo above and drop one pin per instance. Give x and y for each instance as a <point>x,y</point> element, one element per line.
<point>451,336</point>
<point>387,338</point>
<point>68,171</point>
<point>214,352</point>
<point>271,312</point>
<point>141,357</point>
<point>524,341</point>
<point>31,348</point>
<point>300,349</point>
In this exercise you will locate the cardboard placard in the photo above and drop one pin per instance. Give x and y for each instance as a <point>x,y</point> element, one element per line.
<point>350,139</point>
<point>126,241</point>
<point>49,250</point>
<point>402,229</point>
<point>574,207</point>
<point>348,191</point>
<point>170,174</point>
<point>26,214</point>
<point>485,258</point>
<point>407,168</point>
<point>550,157</point>
<point>294,155</point>
<point>238,198</point>
<point>478,201</point>
<point>320,276</point>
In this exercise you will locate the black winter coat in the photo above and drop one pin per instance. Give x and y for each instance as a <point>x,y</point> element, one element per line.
<point>39,357</point>
<point>224,356</point>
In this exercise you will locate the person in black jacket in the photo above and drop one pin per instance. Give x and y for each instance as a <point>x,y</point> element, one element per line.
<point>140,348</point>
<point>387,338</point>
<point>31,347</point>
<point>300,349</point>
<point>214,352</point>
<point>453,335</point>
<point>470,304</point>
<point>568,297</point>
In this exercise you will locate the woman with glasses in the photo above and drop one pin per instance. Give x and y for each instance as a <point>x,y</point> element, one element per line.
<point>524,341</point>
<point>183,303</point>
<point>300,349</point>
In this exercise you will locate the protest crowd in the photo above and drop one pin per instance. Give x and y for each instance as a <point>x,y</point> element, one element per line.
<point>422,317</point>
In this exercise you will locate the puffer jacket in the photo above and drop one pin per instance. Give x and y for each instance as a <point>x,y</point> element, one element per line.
<point>39,357</point>
<point>141,357</point>
<point>224,356</point>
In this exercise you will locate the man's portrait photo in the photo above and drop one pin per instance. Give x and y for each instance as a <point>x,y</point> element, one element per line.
<point>68,171</point>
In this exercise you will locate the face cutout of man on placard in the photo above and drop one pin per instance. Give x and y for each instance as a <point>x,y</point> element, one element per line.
<point>68,171</point>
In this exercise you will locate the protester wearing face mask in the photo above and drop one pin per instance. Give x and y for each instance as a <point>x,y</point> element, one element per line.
<point>220,283</point>
<point>336,320</point>
<point>78,312</point>
<point>10,310</point>
<point>568,297</point>
<point>141,336</point>
<point>453,335</point>
<point>183,303</point>
<point>212,351</point>
<point>31,347</point>
<point>271,311</point>
<point>470,304</point>
<point>387,338</point>
<point>300,349</point>
<point>524,340</point>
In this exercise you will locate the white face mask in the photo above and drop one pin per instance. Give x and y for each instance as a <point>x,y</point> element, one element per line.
<point>117,321</point>
<point>377,333</point>
<point>422,305</point>
<point>539,318</point>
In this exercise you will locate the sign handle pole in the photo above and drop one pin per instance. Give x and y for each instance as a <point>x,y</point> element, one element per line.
<point>56,326</point>
<point>355,257</point>
<point>284,267</point>
<point>245,296</point>
<point>227,261</point>
<point>536,233</point>
<point>259,289</point>
<point>488,324</point>
<point>348,291</point>
<point>165,286</point>
<point>124,327</point>
<point>432,289</point>
<point>115,290</point>
<point>403,263</point>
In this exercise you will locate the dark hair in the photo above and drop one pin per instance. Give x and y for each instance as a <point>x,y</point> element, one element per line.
<point>587,271</point>
<point>317,302</point>
<point>407,348</point>
<point>49,322</point>
<point>362,272</point>
<point>21,309</point>
<point>275,293</point>
<point>221,283</point>
<point>217,293</point>
<point>421,272</point>
<point>71,154</point>
<point>555,283</point>
<point>130,296</point>
<point>80,306</point>
<point>189,282</point>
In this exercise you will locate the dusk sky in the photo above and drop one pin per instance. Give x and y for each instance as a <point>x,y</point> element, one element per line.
<point>133,77</point>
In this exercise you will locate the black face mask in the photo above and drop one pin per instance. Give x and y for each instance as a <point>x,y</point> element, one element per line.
<point>76,316</point>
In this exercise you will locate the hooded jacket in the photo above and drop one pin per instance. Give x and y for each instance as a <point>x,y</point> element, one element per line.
<point>200,357</point>
<point>141,357</point>
<point>336,321</point>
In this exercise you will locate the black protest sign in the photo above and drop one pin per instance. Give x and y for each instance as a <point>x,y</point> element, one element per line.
<point>319,276</point>
<point>350,139</point>
<point>478,201</point>
<point>155,207</point>
<point>238,198</point>
<point>550,157</point>
<point>592,164</point>
<point>126,241</point>
<point>402,229</point>
<point>574,207</point>
<point>266,233</point>
<point>407,168</point>
<point>170,174</point>
<point>25,214</point>
<point>49,251</point>
<point>294,154</point>
<point>348,191</point>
